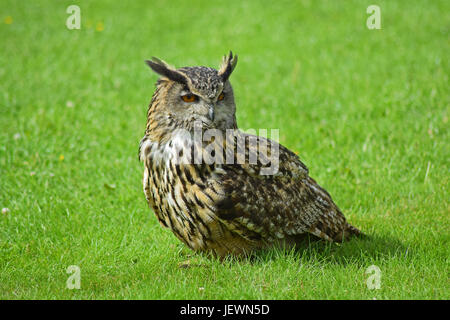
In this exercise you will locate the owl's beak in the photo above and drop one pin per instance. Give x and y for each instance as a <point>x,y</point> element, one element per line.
<point>211,112</point>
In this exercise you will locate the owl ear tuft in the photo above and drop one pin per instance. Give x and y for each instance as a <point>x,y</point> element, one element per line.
<point>163,69</point>
<point>228,64</point>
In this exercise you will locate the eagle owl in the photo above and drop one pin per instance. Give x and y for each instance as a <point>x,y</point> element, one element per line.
<point>217,188</point>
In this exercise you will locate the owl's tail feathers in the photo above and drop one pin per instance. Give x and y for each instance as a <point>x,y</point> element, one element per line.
<point>349,232</point>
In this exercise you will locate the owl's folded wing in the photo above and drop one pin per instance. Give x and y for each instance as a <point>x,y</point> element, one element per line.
<point>280,205</point>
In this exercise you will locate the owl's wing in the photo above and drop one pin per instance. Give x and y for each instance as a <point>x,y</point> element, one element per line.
<point>284,204</point>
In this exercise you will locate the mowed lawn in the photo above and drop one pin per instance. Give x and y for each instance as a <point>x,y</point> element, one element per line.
<point>367,111</point>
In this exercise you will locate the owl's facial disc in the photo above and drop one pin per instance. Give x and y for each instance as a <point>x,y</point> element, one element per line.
<point>202,107</point>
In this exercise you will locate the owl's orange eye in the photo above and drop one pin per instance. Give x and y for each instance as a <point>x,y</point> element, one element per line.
<point>189,97</point>
<point>221,96</point>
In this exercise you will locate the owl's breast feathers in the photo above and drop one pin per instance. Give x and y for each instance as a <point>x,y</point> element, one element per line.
<point>240,205</point>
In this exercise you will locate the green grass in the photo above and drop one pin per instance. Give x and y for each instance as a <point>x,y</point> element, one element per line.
<point>367,110</point>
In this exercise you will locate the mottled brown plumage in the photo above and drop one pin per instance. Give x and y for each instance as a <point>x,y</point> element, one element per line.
<point>227,203</point>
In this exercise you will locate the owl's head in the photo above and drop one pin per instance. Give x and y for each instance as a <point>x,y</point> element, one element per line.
<point>191,95</point>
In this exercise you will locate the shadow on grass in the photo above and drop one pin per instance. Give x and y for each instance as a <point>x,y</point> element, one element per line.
<point>359,251</point>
